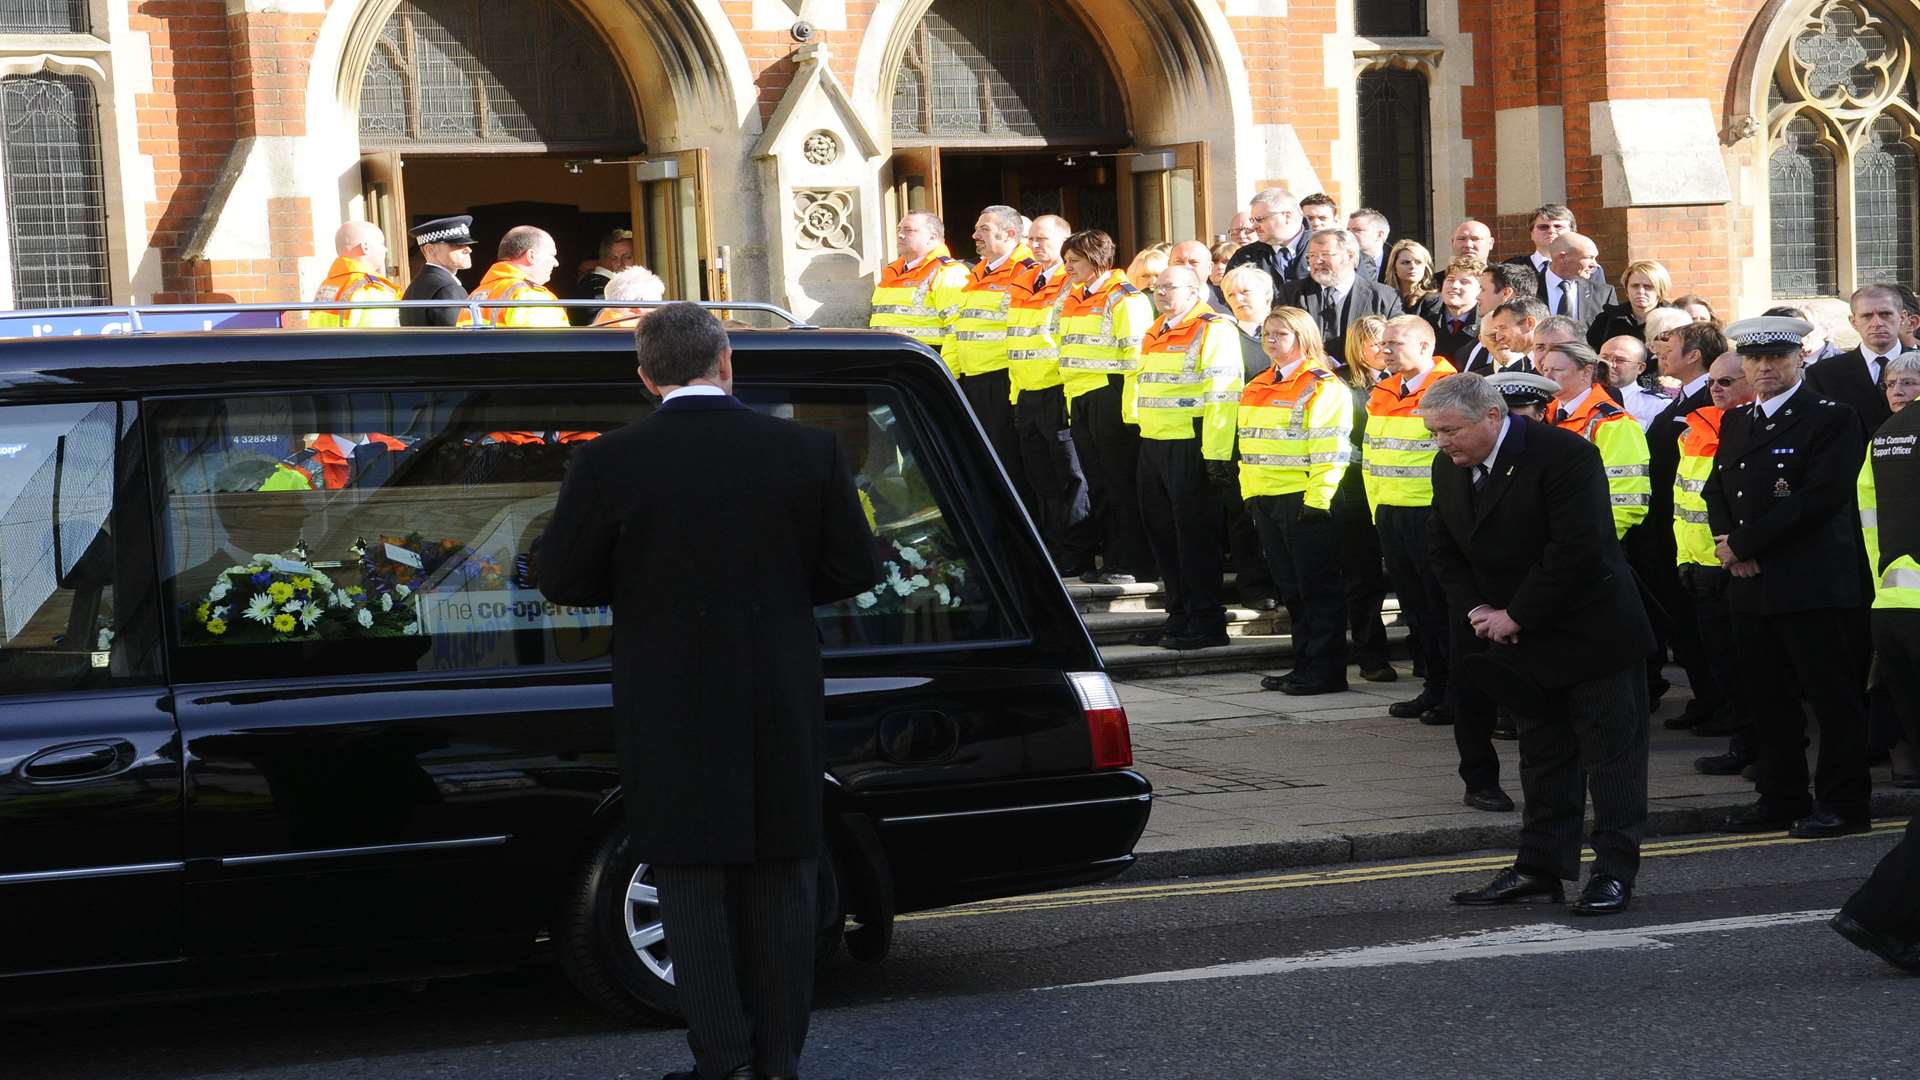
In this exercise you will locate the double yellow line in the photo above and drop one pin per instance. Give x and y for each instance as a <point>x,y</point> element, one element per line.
<point>1698,845</point>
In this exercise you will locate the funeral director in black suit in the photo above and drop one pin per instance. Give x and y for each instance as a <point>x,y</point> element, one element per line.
<point>446,245</point>
<point>714,531</point>
<point>1522,540</point>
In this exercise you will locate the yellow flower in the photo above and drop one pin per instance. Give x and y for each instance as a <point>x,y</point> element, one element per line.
<point>217,626</point>
<point>280,591</point>
<point>202,611</point>
<point>866,507</point>
<point>303,584</point>
<point>354,590</point>
<point>283,623</point>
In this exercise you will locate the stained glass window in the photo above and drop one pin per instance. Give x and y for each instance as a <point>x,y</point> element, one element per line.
<point>1801,206</point>
<point>492,73</point>
<point>56,207</point>
<point>1396,169</point>
<point>1883,206</point>
<point>1001,69</point>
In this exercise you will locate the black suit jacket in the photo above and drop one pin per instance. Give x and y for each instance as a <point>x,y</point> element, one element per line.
<point>1598,277</point>
<point>1477,361</point>
<point>1363,298</point>
<point>1586,299</point>
<point>1538,541</point>
<point>1615,320</point>
<point>1262,254</point>
<point>1782,492</point>
<point>1663,461</point>
<point>1454,345</point>
<point>433,282</point>
<point>1843,378</point>
<point>713,531</point>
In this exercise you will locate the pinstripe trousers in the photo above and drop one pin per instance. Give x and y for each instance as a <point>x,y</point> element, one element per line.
<point>742,940</point>
<point>1597,744</point>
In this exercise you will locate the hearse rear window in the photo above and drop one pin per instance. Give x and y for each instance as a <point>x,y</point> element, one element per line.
<point>394,532</point>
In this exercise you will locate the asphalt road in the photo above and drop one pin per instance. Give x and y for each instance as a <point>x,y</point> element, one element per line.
<point>1723,969</point>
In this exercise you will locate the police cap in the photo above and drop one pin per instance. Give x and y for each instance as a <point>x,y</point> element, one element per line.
<point>1523,388</point>
<point>455,230</point>
<point>1769,335</point>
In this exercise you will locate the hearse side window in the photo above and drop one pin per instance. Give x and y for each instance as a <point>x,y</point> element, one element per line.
<point>75,606</point>
<point>300,538</point>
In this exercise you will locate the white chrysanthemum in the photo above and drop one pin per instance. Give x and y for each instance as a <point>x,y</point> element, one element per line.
<point>220,589</point>
<point>942,592</point>
<point>104,640</point>
<point>901,586</point>
<point>310,615</point>
<point>411,628</point>
<point>955,602</point>
<point>218,612</point>
<point>403,591</point>
<point>912,557</point>
<point>260,608</point>
<point>386,601</point>
<point>364,618</point>
<point>341,599</point>
<point>293,607</point>
<point>866,600</point>
<point>918,581</point>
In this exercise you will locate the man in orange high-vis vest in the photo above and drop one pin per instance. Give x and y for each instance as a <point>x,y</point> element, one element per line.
<point>356,277</point>
<point>526,260</point>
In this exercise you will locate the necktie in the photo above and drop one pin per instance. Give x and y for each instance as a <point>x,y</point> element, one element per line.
<point>1480,474</point>
<point>1563,308</point>
<point>1330,316</point>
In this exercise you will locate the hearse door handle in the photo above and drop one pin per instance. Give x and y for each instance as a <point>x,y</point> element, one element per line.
<point>77,761</point>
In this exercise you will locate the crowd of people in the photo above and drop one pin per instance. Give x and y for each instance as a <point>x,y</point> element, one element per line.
<point>1632,482</point>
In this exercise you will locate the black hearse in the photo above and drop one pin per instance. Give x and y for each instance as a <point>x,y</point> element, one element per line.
<point>279,698</point>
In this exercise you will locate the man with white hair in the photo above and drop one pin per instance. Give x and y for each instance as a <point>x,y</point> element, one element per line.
<point>1334,294</point>
<point>1281,249</point>
<point>356,277</point>
<point>634,285</point>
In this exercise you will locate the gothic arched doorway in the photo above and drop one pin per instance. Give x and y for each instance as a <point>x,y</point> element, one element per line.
<point>519,113</point>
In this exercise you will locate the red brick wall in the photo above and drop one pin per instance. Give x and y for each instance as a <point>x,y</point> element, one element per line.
<point>187,125</point>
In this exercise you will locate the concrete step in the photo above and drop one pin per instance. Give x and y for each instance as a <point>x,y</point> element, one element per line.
<point>1115,627</point>
<point>1271,653</point>
<point>1144,596</point>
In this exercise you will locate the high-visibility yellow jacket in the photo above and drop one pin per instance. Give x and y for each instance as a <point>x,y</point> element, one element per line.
<point>352,281</point>
<point>1396,452</point>
<point>1101,324</point>
<point>1897,584</point>
<point>508,281</point>
<point>976,339</point>
<point>1623,450</point>
<point>1190,370</point>
<point>918,301</point>
<point>1692,535</point>
<point>1033,330</point>
<point>1296,434</point>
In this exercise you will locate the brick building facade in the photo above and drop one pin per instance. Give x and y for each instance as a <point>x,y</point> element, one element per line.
<point>177,150</point>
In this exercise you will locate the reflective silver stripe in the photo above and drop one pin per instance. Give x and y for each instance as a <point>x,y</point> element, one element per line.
<point>1168,403</point>
<point>1263,433</point>
<point>1691,517</point>
<point>1221,397</point>
<point>1083,364</point>
<point>1101,341</point>
<point>1619,471</point>
<point>1167,377</point>
<point>1900,577</point>
<point>1870,518</point>
<point>1299,460</point>
<point>1023,330</point>
<point>1691,487</point>
<point>925,333</point>
<point>371,849</point>
<point>895,309</point>
<point>1399,471</point>
<point>1130,342</point>
<point>1030,354</point>
<point>1400,444</point>
<point>980,335</point>
<point>1324,433</point>
<point>1629,500</point>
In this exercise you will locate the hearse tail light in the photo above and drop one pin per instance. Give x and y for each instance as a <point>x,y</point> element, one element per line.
<point>1106,719</point>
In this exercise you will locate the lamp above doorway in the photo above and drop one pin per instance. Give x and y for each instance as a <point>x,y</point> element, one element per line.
<point>577,166</point>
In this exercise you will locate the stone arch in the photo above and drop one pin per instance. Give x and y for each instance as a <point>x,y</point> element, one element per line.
<point>1176,61</point>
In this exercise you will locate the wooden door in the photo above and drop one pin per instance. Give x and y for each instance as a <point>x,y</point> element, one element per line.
<point>384,190</point>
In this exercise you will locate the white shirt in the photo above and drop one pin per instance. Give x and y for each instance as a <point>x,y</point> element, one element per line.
<point>1286,372</point>
<point>1693,385</point>
<point>1336,293</point>
<point>1644,405</point>
<point>999,262</point>
<point>1556,285</point>
<point>1568,408</point>
<point>1772,405</point>
<point>1493,455</point>
<point>1540,262</point>
<point>695,390</point>
<point>1876,364</point>
<point>1413,383</point>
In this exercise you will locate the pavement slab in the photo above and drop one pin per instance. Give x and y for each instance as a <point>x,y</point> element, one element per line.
<point>1247,779</point>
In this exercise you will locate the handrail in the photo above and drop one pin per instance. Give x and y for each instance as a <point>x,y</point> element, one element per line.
<point>137,316</point>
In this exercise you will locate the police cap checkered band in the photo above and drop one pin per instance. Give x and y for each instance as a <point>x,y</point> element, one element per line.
<point>454,230</point>
<point>1769,332</point>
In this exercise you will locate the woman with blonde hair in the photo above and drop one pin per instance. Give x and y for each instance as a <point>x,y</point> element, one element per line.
<point>1644,285</point>
<point>1410,272</point>
<point>1361,561</point>
<point>1146,267</point>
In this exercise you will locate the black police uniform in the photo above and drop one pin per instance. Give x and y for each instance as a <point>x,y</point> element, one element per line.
<point>435,282</point>
<point>1782,492</point>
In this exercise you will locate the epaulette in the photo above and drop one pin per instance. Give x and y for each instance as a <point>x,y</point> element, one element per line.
<point>1607,408</point>
<point>1028,263</point>
<point>1320,372</point>
<point>300,457</point>
<point>1212,316</point>
<point>1128,288</point>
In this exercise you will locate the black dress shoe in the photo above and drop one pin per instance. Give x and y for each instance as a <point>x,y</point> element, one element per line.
<point>1506,727</point>
<point>1091,576</point>
<point>1275,682</point>
<point>1184,642</point>
<point>1823,823</point>
<point>1147,637</point>
<point>1604,895</point>
<point>1513,886</point>
<point>1438,716</point>
<point>1409,710</point>
<point>1383,673</point>
<point>1758,817</point>
<point>1491,799</point>
<point>1302,688</point>
<point>1904,955</point>
<point>1264,603</point>
<point>1727,764</point>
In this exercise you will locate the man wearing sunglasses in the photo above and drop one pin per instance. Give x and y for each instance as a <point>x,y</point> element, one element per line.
<point>1281,249</point>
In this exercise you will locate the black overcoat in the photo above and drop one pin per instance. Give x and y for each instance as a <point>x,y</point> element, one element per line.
<point>433,282</point>
<point>1843,377</point>
<point>1539,542</point>
<point>1783,492</point>
<point>713,531</point>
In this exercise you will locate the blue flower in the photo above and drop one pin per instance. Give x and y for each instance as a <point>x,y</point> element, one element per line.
<point>263,578</point>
